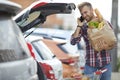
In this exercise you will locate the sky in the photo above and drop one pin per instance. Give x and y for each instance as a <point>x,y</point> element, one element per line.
<point>104,6</point>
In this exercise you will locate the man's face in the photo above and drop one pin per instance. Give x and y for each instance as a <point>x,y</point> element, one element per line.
<point>87,13</point>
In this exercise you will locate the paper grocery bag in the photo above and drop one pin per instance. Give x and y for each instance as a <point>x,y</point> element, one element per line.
<point>102,39</point>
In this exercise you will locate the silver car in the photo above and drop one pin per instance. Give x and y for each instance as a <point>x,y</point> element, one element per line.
<point>15,60</point>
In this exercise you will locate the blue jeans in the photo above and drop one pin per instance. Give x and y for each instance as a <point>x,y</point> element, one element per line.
<point>105,76</point>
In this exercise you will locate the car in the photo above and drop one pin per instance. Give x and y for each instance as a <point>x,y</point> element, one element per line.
<point>61,36</point>
<point>44,56</point>
<point>16,63</point>
<point>64,56</point>
<point>56,34</point>
<point>68,62</point>
<point>45,71</point>
<point>64,44</point>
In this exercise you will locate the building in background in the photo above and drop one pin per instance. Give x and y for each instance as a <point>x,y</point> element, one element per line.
<point>69,20</point>
<point>61,21</point>
<point>53,21</point>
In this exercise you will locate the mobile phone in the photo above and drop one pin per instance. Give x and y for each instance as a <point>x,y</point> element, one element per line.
<point>81,19</point>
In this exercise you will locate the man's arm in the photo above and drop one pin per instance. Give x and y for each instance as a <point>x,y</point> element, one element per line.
<point>76,36</point>
<point>77,32</point>
<point>75,40</point>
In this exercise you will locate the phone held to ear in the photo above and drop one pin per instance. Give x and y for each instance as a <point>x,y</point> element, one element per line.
<point>81,19</point>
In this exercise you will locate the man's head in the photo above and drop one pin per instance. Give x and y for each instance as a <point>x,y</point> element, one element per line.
<point>86,11</point>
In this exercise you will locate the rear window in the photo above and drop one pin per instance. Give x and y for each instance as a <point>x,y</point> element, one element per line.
<point>42,50</point>
<point>68,48</point>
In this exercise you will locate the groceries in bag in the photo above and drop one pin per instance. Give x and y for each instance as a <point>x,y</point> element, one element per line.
<point>101,34</point>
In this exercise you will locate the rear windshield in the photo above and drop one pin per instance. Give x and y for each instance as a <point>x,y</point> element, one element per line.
<point>43,50</point>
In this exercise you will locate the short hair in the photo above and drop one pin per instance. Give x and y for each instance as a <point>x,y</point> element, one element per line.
<point>80,6</point>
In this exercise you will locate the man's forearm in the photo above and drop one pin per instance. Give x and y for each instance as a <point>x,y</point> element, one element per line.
<point>76,36</point>
<point>76,33</point>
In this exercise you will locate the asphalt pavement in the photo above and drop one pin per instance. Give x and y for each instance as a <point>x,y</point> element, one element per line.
<point>115,76</point>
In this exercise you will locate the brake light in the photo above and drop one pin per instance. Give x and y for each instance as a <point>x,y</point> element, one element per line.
<point>73,60</point>
<point>30,48</point>
<point>68,61</point>
<point>48,71</point>
<point>82,68</point>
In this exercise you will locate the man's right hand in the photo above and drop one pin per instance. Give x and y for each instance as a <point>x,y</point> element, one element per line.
<point>78,29</point>
<point>79,22</point>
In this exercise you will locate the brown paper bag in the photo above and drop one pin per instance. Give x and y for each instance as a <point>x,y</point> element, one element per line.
<point>102,39</point>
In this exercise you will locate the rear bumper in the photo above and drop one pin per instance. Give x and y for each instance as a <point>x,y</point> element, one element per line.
<point>19,70</point>
<point>34,77</point>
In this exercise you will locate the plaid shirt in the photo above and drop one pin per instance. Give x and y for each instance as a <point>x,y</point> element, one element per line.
<point>93,58</point>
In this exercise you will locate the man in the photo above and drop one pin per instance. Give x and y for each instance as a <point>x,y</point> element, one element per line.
<point>94,60</point>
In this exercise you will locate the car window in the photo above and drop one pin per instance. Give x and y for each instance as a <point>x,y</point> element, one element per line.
<point>37,57</point>
<point>42,50</point>
<point>69,48</point>
<point>29,18</point>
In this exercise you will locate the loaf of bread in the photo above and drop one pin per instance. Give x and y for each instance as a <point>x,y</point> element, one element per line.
<point>98,14</point>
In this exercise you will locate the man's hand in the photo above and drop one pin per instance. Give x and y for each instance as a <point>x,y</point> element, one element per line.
<point>79,22</point>
<point>78,29</point>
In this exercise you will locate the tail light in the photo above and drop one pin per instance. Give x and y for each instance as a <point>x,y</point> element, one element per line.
<point>73,59</point>
<point>48,71</point>
<point>68,61</point>
<point>82,70</point>
<point>30,48</point>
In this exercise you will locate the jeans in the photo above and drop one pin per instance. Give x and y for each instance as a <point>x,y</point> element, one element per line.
<point>105,76</point>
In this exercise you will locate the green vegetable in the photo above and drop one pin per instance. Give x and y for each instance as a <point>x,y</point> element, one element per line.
<point>93,24</point>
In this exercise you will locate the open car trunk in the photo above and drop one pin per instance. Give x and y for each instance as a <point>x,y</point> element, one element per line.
<point>36,13</point>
